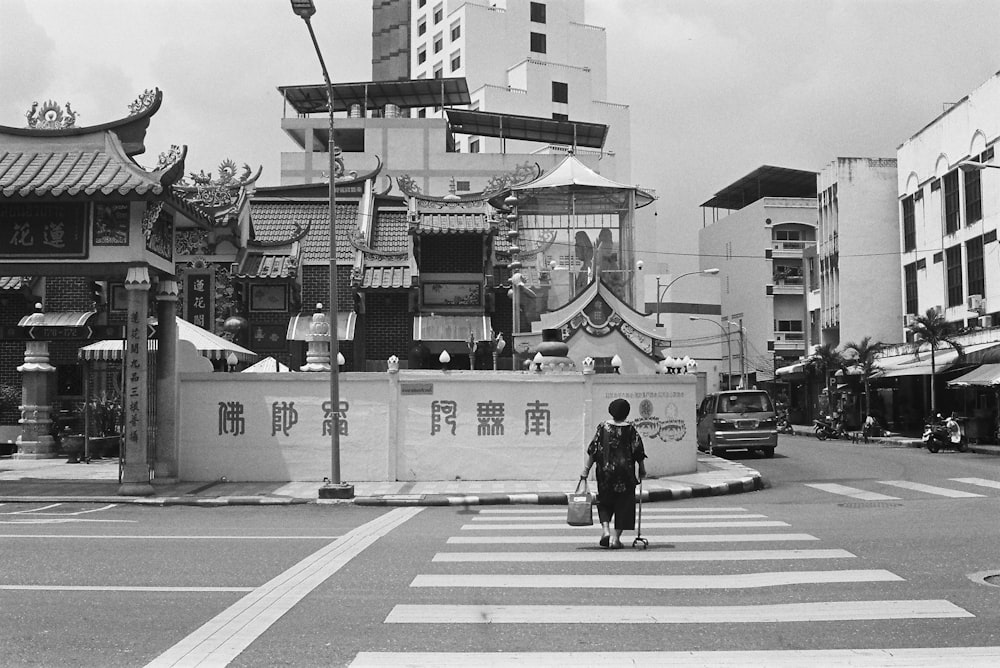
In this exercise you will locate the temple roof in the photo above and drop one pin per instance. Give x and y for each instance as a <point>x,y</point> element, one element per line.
<point>456,217</point>
<point>282,221</point>
<point>397,275</point>
<point>81,167</point>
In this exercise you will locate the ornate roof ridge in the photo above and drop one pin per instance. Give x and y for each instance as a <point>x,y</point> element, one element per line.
<point>52,121</point>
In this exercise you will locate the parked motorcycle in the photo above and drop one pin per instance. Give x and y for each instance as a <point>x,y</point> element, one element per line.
<point>784,426</point>
<point>944,433</point>
<point>829,427</point>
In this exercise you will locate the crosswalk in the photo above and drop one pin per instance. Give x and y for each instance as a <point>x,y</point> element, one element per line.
<point>877,490</point>
<point>475,580</point>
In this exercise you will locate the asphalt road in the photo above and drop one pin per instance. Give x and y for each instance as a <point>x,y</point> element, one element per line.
<point>821,561</point>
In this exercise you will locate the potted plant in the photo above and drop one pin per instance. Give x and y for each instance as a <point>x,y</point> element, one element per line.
<point>10,403</point>
<point>105,414</point>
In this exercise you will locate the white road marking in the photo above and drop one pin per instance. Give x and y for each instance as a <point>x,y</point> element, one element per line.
<point>852,492</point>
<point>642,555</point>
<point>654,540</point>
<point>34,510</point>
<point>531,518</point>
<point>121,536</point>
<point>930,489</point>
<point>548,511</point>
<point>120,588</point>
<point>725,524</point>
<point>716,581</point>
<point>906,657</point>
<point>982,482</point>
<point>38,511</point>
<point>64,520</point>
<point>221,639</point>
<point>821,611</point>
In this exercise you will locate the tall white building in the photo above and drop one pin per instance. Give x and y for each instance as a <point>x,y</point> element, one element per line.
<point>535,59</point>
<point>857,293</point>
<point>950,211</point>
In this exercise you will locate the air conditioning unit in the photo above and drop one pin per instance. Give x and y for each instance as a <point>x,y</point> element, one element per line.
<point>987,321</point>
<point>910,319</point>
<point>976,303</point>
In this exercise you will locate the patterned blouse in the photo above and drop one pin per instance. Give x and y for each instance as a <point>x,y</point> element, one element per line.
<point>615,449</point>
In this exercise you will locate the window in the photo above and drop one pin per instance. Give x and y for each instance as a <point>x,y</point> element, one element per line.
<point>953,269</point>
<point>421,27</point>
<point>975,266</point>
<point>456,61</point>
<point>935,185</point>
<point>973,197</point>
<point>910,287</point>
<point>787,235</point>
<point>456,31</point>
<point>438,73</point>
<point>909,225</point>
<point>438,44</point>
<point>422,3</point>
<point>422,113</point>
<point>560,92</point>
<point>537,42</point>
<point>421,56</point>
<point>463,186</point>
<point>473,146</point>
<point>560,117</point>
<point>951,202</point>
<point>789,325</point>
<point>538,12</point>
<point>438,14</point>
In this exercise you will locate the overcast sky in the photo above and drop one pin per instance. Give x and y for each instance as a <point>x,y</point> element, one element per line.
<point>716,88</point>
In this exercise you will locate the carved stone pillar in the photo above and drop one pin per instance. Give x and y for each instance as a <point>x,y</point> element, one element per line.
<point>166,446</point>
<point>35,440</point>
<point>135,472</point>
<point>318,354</point>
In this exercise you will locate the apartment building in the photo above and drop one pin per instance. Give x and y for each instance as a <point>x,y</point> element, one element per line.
<point>853,290</point>
<point>759,228</point>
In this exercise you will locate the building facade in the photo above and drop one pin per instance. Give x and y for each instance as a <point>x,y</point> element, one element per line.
<point>857,248</point>
<point>761,226</point>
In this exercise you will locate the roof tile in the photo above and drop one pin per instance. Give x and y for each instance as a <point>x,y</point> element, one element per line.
<point>282,221</point>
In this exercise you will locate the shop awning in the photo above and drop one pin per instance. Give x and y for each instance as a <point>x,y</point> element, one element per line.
<point>56,319</point>
<point>451,327</point>
<point>207,344</point>
<point>298,326</point>
<point>987,375</point>
<point>945,358</point>
<point>791,369</point>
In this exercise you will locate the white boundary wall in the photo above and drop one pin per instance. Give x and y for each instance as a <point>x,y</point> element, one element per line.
<point>423,425</point>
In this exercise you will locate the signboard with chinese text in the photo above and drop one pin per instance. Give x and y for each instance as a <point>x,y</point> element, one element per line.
<point>475,426</point>
<point>43,230</point>
<point>199,298</point>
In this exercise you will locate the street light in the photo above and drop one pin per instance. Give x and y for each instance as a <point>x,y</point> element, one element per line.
<point>334,489</point>
<point>729,346</point>
<point>659,295</point>
<point>967,165</point>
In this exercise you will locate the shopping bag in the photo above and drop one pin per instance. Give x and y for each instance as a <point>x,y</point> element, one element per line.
<point>580,506</point>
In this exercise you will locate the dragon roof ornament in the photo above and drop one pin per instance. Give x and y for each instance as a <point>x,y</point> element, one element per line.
<point>217,192</point>
<point>145,100</point>
<point>50,116</point>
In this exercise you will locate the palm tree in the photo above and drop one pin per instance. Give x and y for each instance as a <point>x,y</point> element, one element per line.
<point>825,360</point>
<point>865,353</point>
<point>932,328</point>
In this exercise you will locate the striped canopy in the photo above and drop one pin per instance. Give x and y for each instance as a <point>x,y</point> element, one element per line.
<point>209,345</point>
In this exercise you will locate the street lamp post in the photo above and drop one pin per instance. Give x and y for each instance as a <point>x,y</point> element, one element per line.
<point>729,346</point>
<point>659,295</point>
<point>334,488</point>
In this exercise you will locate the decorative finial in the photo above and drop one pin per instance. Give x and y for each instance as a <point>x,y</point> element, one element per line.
<point>50,116</point>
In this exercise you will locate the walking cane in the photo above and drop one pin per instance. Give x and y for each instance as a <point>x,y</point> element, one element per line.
<point>639,542</point>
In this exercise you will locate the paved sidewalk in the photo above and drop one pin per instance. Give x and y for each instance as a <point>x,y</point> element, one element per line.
<point>53,480</point>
